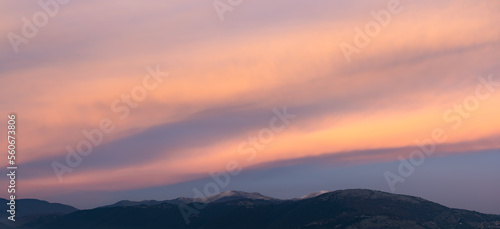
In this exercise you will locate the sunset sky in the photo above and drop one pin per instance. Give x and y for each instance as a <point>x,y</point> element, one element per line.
<point>223,81</point>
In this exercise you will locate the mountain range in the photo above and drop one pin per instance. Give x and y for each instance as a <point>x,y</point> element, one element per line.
<point>220,197</point>
<point>354,208</point>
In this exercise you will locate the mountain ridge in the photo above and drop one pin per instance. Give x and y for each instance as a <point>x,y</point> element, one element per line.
<point>351,208</point>
<point>35,206</point>
<point>219,197</point>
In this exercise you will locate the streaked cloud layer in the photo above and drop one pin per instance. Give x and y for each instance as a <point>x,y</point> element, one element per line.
<point>226,77</point>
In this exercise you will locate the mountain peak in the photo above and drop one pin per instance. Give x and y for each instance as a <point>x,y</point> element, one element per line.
<point>232,195</point>
<point>314,194</point>
<point>366,194</point>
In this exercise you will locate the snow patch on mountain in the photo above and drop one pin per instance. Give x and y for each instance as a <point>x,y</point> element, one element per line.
<point>313,194</point>
<point>237,195</point>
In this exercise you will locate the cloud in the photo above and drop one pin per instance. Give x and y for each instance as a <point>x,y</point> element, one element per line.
<point>226,77</point>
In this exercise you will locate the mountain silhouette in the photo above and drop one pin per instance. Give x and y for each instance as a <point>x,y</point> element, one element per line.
<point>33,211</point>
<point>220,197</point>
<point>27,207</point>
<point>355,208</point>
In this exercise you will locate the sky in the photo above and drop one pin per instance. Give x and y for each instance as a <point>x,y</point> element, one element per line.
<point>284,98</point>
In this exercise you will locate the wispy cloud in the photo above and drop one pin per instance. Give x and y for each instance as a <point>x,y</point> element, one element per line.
<point>227,76</point>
